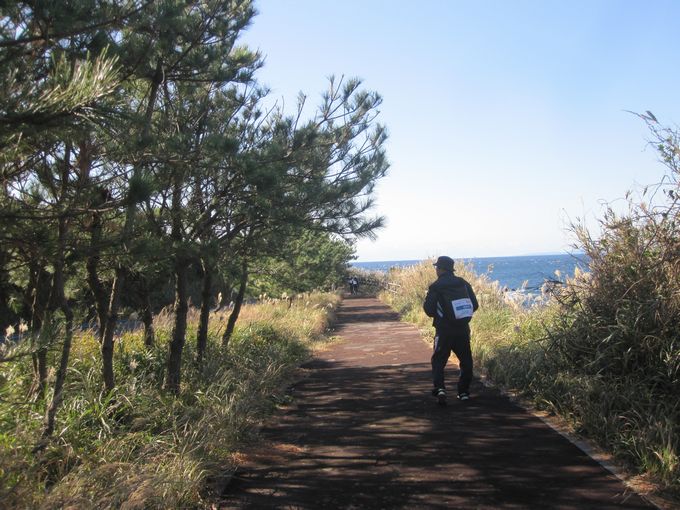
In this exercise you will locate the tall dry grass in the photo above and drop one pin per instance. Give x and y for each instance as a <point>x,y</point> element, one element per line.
<point>617,340</point>
<point>406,289</point>
<point>139,447</point>
<point>603,352</point>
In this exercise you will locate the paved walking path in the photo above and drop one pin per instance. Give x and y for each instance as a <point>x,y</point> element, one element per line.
<point>364,432</point>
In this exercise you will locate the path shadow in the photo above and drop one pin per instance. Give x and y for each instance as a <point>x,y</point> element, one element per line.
<point>360,437</point>
<point>368,313</point>
<point>364,432</point>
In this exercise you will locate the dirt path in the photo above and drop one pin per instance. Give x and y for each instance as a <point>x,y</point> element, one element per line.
<point>364,432</point>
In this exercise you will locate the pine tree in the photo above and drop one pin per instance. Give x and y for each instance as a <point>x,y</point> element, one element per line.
<point>56,84</point>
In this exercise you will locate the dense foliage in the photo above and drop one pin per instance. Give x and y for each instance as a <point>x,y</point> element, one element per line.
<point>312,260</point>
<point>143,169</point>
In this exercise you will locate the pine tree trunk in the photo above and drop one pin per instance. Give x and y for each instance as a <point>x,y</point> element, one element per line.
<point>92,266</point>
<point>173,379</point>
<point>128,227</point>
<point>5,311</point>
<point>202,336</point>
<point>97,196</point>
<point>58,396</point>
<point>39,384</point>
<point>58,300</point>
<point>147,317</point>
<point>41,294</point>
<point>109,330</point>
<point>238,302</point>
<point>29,291</point>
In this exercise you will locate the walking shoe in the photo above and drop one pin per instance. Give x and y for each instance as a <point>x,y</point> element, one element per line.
<point>464,396</point>
<point>441,397</point>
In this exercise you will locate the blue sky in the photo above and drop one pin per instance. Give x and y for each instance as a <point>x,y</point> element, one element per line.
<point>507,119</point>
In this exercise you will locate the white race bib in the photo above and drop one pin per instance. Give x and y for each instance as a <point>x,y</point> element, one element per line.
<point>462,308</point>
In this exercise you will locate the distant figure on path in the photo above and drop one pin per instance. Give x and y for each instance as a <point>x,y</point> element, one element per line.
<point>353,285</point>
<point>450,301</point>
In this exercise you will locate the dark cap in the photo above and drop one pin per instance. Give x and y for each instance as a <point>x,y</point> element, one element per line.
<point>445,263</point>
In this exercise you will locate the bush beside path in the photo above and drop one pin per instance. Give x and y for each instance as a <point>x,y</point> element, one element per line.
<point>362,431</point>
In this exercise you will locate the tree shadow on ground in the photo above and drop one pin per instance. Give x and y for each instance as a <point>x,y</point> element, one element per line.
<point>373,438</point>
<point>364,432</point>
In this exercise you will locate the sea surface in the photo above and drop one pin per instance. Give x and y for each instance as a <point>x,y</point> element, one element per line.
<point>527,273</point>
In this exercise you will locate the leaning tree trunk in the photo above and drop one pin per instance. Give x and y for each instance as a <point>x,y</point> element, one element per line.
<point>58,300</point>
<point>41,296</point>
<point>147,316</point>
<point>202,336</point>
<point>109,330</point>
<point>5,309</point>
<point>97,196</point>
<point>179,329</point>
<point>128,227</point>
<point>173,379</point>
<point>58,396</point>
<point>233,317</point>
<point>92,266</point>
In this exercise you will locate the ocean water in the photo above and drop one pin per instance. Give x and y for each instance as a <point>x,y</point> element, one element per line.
<point>527,272</point>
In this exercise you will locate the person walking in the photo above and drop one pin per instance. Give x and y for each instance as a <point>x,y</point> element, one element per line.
<point>353,284</point>
<point>450,301</point>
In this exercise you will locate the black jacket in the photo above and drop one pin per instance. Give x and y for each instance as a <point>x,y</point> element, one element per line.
<point>434,296</point>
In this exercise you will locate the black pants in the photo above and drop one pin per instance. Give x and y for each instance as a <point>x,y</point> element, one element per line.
<point>459,343</point>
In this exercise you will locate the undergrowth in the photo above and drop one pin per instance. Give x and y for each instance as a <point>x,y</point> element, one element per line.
<point>603,352</point>
<point>139,447</point>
